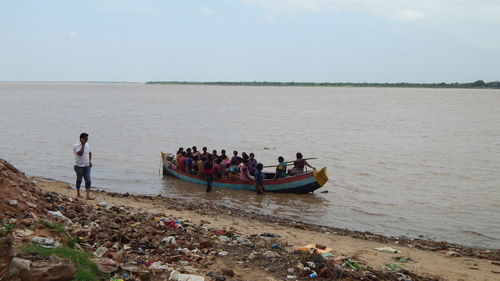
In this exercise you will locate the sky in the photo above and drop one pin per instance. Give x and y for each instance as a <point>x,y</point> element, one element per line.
<point>421,41</point>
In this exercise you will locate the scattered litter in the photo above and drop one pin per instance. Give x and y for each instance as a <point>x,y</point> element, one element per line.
<point>387,250</point>
<point>46,242</point>
<point>266,234</point>
<point>23,232</point>
<point>177,276</point>
<point>170,240</point>
<point>100,251</point>
<point>107,265</point>
<point>58,214</point>
<point>223,253</point>
<point>158,266</point>
<point>313,275</point>
<point>13,202</point>
<point>313,248</point>
<point>401,259</point>
<point>391,267</point>
<point>277,246</point>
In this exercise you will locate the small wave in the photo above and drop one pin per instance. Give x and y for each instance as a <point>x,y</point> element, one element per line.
<point>480,234</point>
<point>367,213</point>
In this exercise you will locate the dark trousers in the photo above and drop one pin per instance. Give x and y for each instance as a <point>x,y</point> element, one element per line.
<point>82,172</point>
<point>209,178</point>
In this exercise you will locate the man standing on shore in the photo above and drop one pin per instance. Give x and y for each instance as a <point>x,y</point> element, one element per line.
<point>83,158</point>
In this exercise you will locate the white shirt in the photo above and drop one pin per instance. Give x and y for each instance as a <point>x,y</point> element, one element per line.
<point>82,161</point>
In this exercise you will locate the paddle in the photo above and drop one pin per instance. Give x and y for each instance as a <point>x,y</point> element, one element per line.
<point>289,162</point>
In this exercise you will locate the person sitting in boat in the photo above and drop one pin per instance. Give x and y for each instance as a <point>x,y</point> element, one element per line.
<point>189,163</point>
<point>280,168</point>
<point>178,154</point>
<point>204,153</point>
<point>195,151</point>
<point>259,178</point>
<point>200,163</point>
<point>214,154</point>
<point>252,164</point>
<point>194,167</point>
<point>181,164</point>
<point>299,164</point>
<point>233,168</point>
<point>235,155</point>
<point>225,163</point>
<point>218,169</point>
<point>244,172</point>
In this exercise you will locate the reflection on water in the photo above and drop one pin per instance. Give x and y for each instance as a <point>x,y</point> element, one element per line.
<point>301,207</point>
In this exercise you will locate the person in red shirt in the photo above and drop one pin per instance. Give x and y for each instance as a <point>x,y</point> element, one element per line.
<point>181,164</point>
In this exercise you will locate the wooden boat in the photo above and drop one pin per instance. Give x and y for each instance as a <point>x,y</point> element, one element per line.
<point>303,183</point>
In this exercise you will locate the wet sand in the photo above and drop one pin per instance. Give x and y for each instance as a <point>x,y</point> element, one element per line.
<point>439,260</point>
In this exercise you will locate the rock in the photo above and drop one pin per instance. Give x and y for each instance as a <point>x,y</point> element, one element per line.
<point>19,268</point>
<point>252,255</point>
<point>452,254</point>
<point>53,269</point>
<point>107,265</point>
<point>270,254</point>
<point>187,269</point>
<point>31,205</point>
<point>6,255</point>
<point>228,272</point>
<point>23,233</point>
<point>26,222</point>
<point>100,251</point>
<point>205,243</point>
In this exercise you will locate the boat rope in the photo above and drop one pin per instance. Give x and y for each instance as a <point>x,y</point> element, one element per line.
<point>341,185</point>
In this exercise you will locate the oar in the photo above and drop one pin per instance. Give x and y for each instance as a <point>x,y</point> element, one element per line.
<point>289,162</point>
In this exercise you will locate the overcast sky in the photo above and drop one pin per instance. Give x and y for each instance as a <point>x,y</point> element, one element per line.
<point>250,40</point>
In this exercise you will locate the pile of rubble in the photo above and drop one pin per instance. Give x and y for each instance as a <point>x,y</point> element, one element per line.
<point>127,244</point>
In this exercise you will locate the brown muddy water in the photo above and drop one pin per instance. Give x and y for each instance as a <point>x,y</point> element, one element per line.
<point>414,162</point>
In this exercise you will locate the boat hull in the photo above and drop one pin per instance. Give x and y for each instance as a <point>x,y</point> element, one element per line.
<point>303,183</point>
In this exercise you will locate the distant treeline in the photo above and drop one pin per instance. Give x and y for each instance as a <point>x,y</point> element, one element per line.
<point>479,84</point>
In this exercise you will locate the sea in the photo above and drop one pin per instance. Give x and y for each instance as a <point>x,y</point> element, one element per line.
<point>415,162</point>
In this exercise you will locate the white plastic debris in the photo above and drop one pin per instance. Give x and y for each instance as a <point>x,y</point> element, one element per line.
<point>387,250</point>
<point>58,214</point>
<point>169,240</point>
<point>177,276</point>
<point>46,242</point>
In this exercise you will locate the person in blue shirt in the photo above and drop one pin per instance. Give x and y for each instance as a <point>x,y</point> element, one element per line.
<point>259,179</point>
<point>280,168</point>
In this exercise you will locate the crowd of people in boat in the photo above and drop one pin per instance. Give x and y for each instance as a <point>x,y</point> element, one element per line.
<point>245,167</point>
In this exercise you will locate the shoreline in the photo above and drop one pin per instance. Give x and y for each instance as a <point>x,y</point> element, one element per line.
<point>428,258</point>
<point>418,243</point>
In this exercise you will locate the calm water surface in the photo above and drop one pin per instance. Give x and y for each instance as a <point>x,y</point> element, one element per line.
<point>402,161</point>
